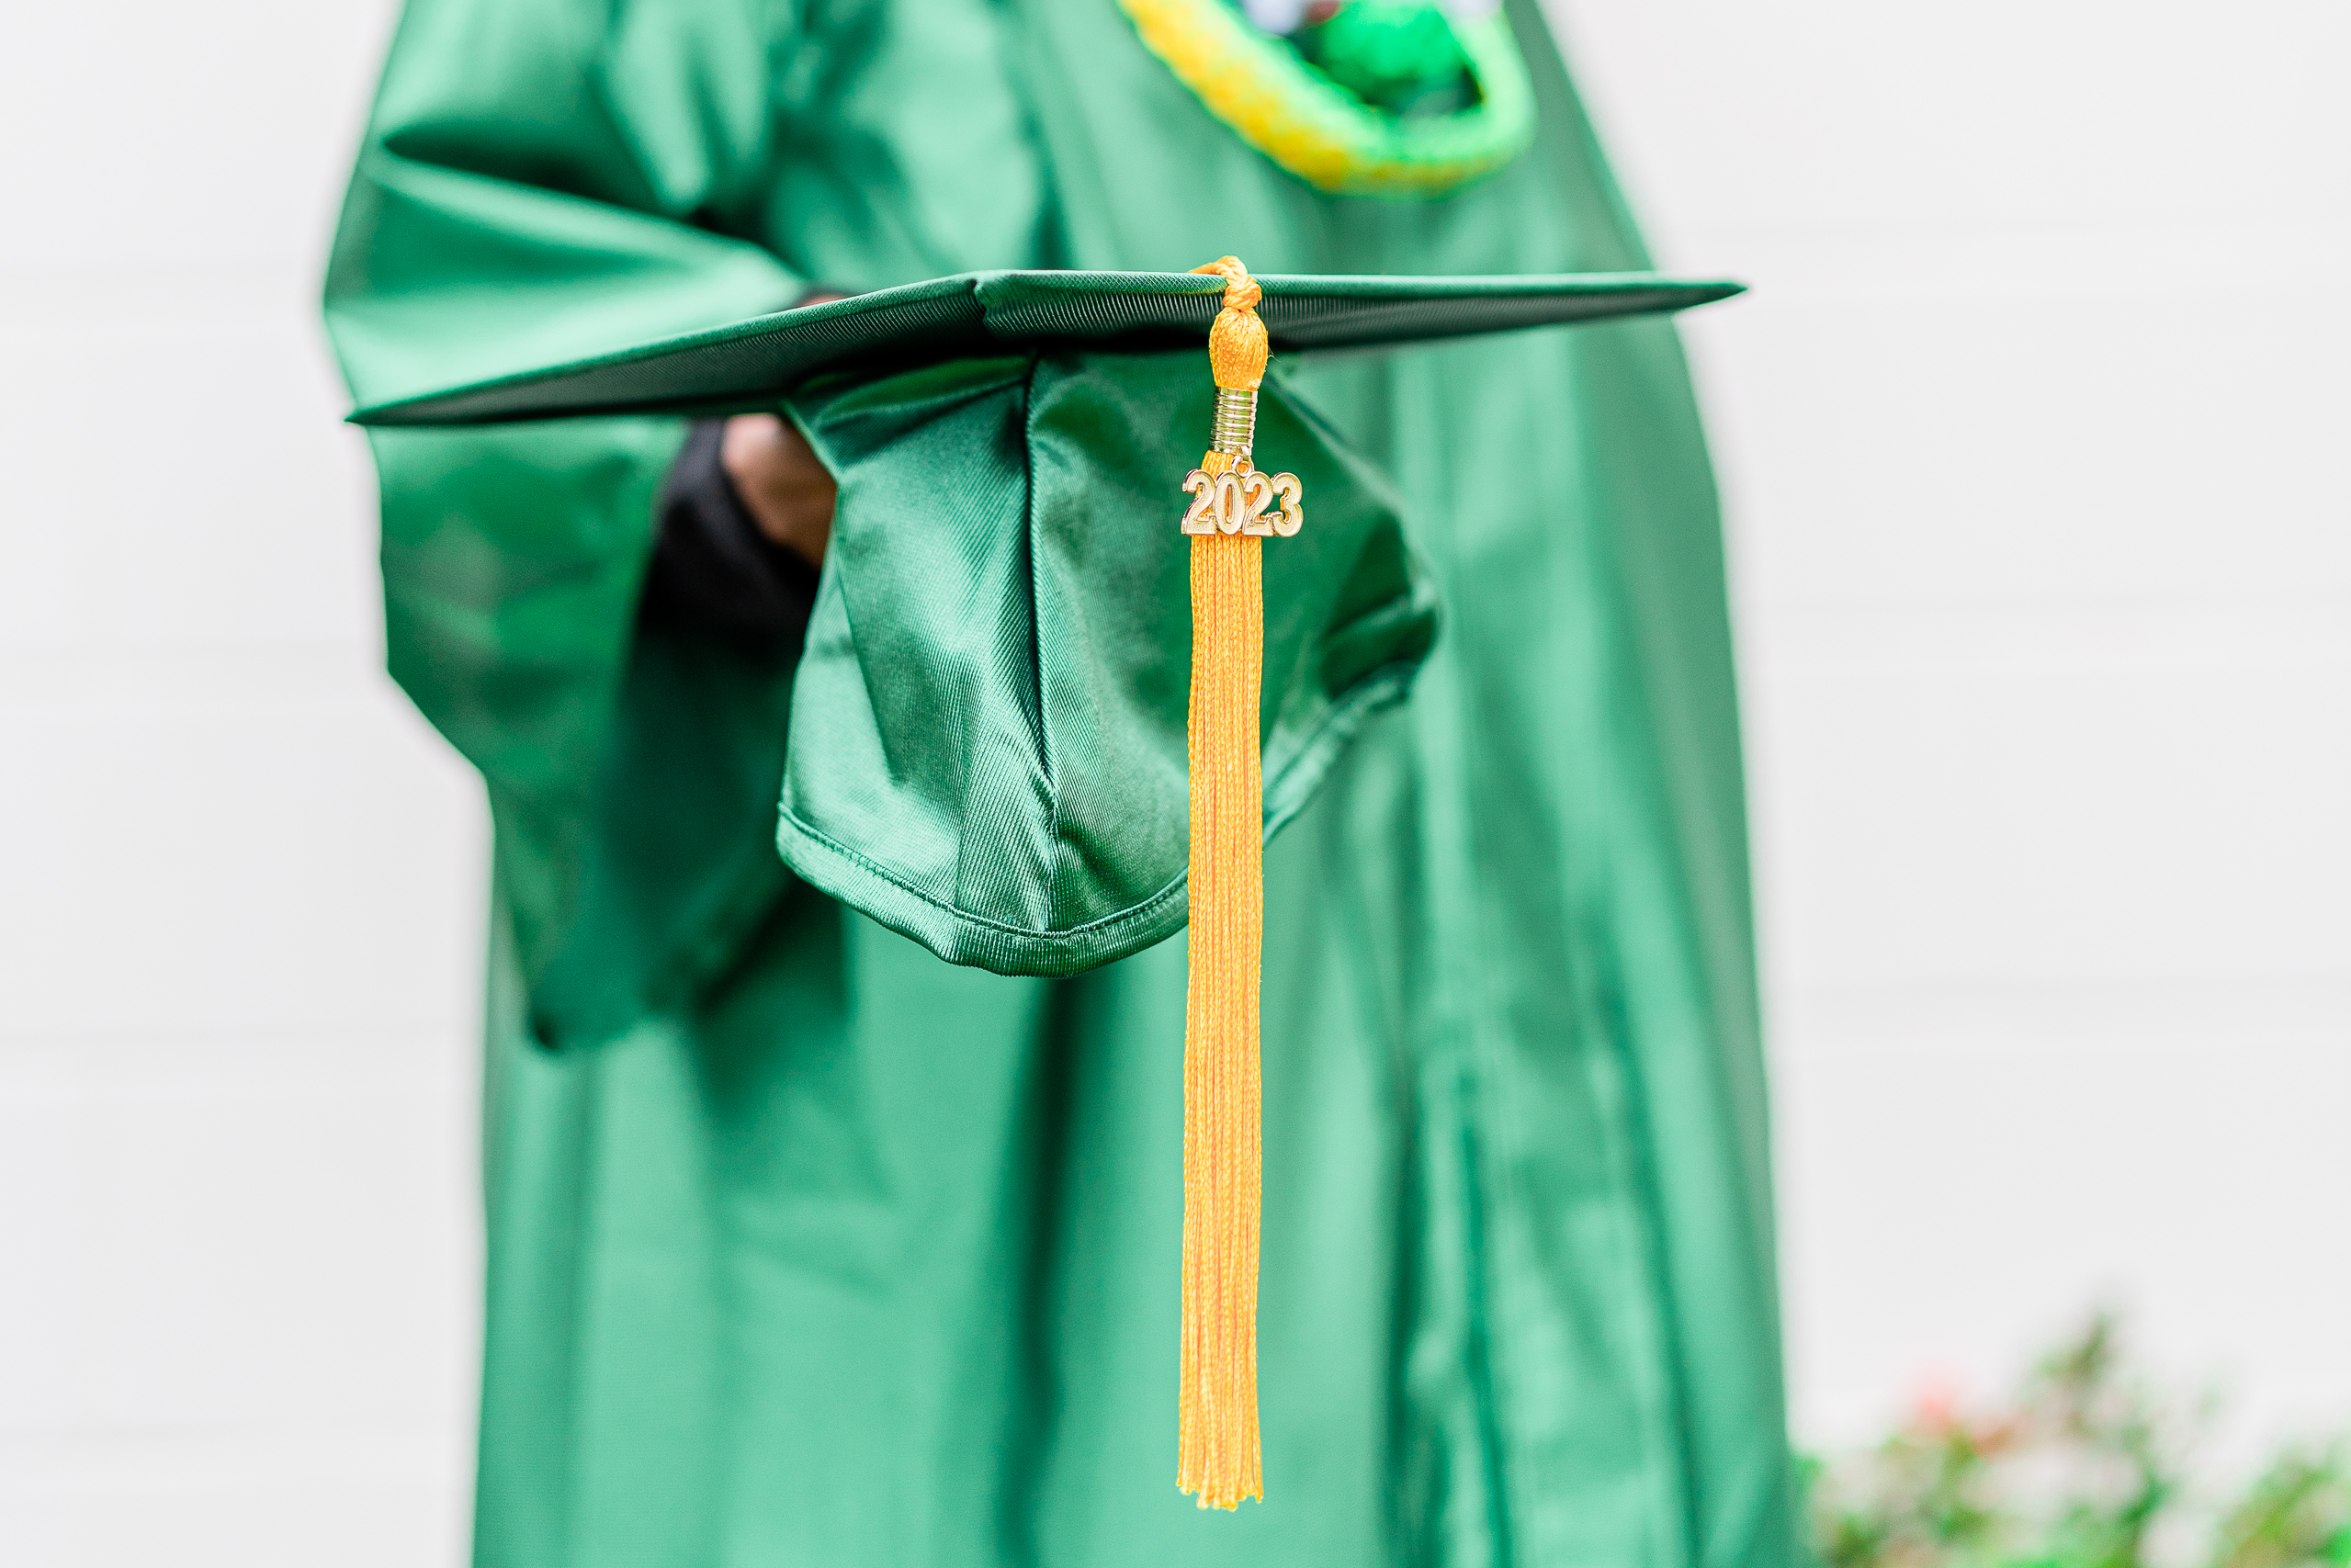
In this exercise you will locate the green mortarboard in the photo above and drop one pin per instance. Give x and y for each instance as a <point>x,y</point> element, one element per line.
<point>1020,727</point>
<point>987,748</point>
<point>752,364</point>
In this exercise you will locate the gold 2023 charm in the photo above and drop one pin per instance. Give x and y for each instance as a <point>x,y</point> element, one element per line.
<point>1236,501</point>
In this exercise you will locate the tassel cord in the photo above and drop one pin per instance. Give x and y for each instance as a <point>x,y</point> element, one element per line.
<point>1219,1447</point>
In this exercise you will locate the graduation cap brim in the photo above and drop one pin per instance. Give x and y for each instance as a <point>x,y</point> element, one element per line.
<point>753,363</point>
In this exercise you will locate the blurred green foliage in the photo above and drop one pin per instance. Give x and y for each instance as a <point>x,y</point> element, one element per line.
<point>2084,1467</point>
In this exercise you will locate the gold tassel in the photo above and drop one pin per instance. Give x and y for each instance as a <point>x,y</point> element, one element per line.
<point>1218,1450</point>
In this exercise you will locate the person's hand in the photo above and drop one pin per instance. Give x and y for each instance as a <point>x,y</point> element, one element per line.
<point>785,490</point>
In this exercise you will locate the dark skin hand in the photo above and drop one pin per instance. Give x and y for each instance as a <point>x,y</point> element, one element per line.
<point>788,493</point>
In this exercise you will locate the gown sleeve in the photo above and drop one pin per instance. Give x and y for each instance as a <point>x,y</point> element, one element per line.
<point>541,179</point>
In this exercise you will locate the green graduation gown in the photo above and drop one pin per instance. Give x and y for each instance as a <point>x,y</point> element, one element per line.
<point>807,1247</point>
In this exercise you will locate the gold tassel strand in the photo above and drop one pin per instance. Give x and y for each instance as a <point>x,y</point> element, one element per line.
<point>1219,1453</point>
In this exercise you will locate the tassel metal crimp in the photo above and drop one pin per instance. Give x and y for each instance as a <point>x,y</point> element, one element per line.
<point>1235,426</point>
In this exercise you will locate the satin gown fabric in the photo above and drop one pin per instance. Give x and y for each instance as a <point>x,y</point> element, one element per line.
<point>805,1246</point>
<point>988,752</point>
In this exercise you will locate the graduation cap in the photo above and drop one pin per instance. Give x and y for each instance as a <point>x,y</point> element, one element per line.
<point>1006,741</point>
<point>749,365</point>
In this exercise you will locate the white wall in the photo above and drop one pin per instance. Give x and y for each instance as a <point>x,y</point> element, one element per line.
<point>2034,436</point>
<point>239,904</point>
<point>2043,575</point>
